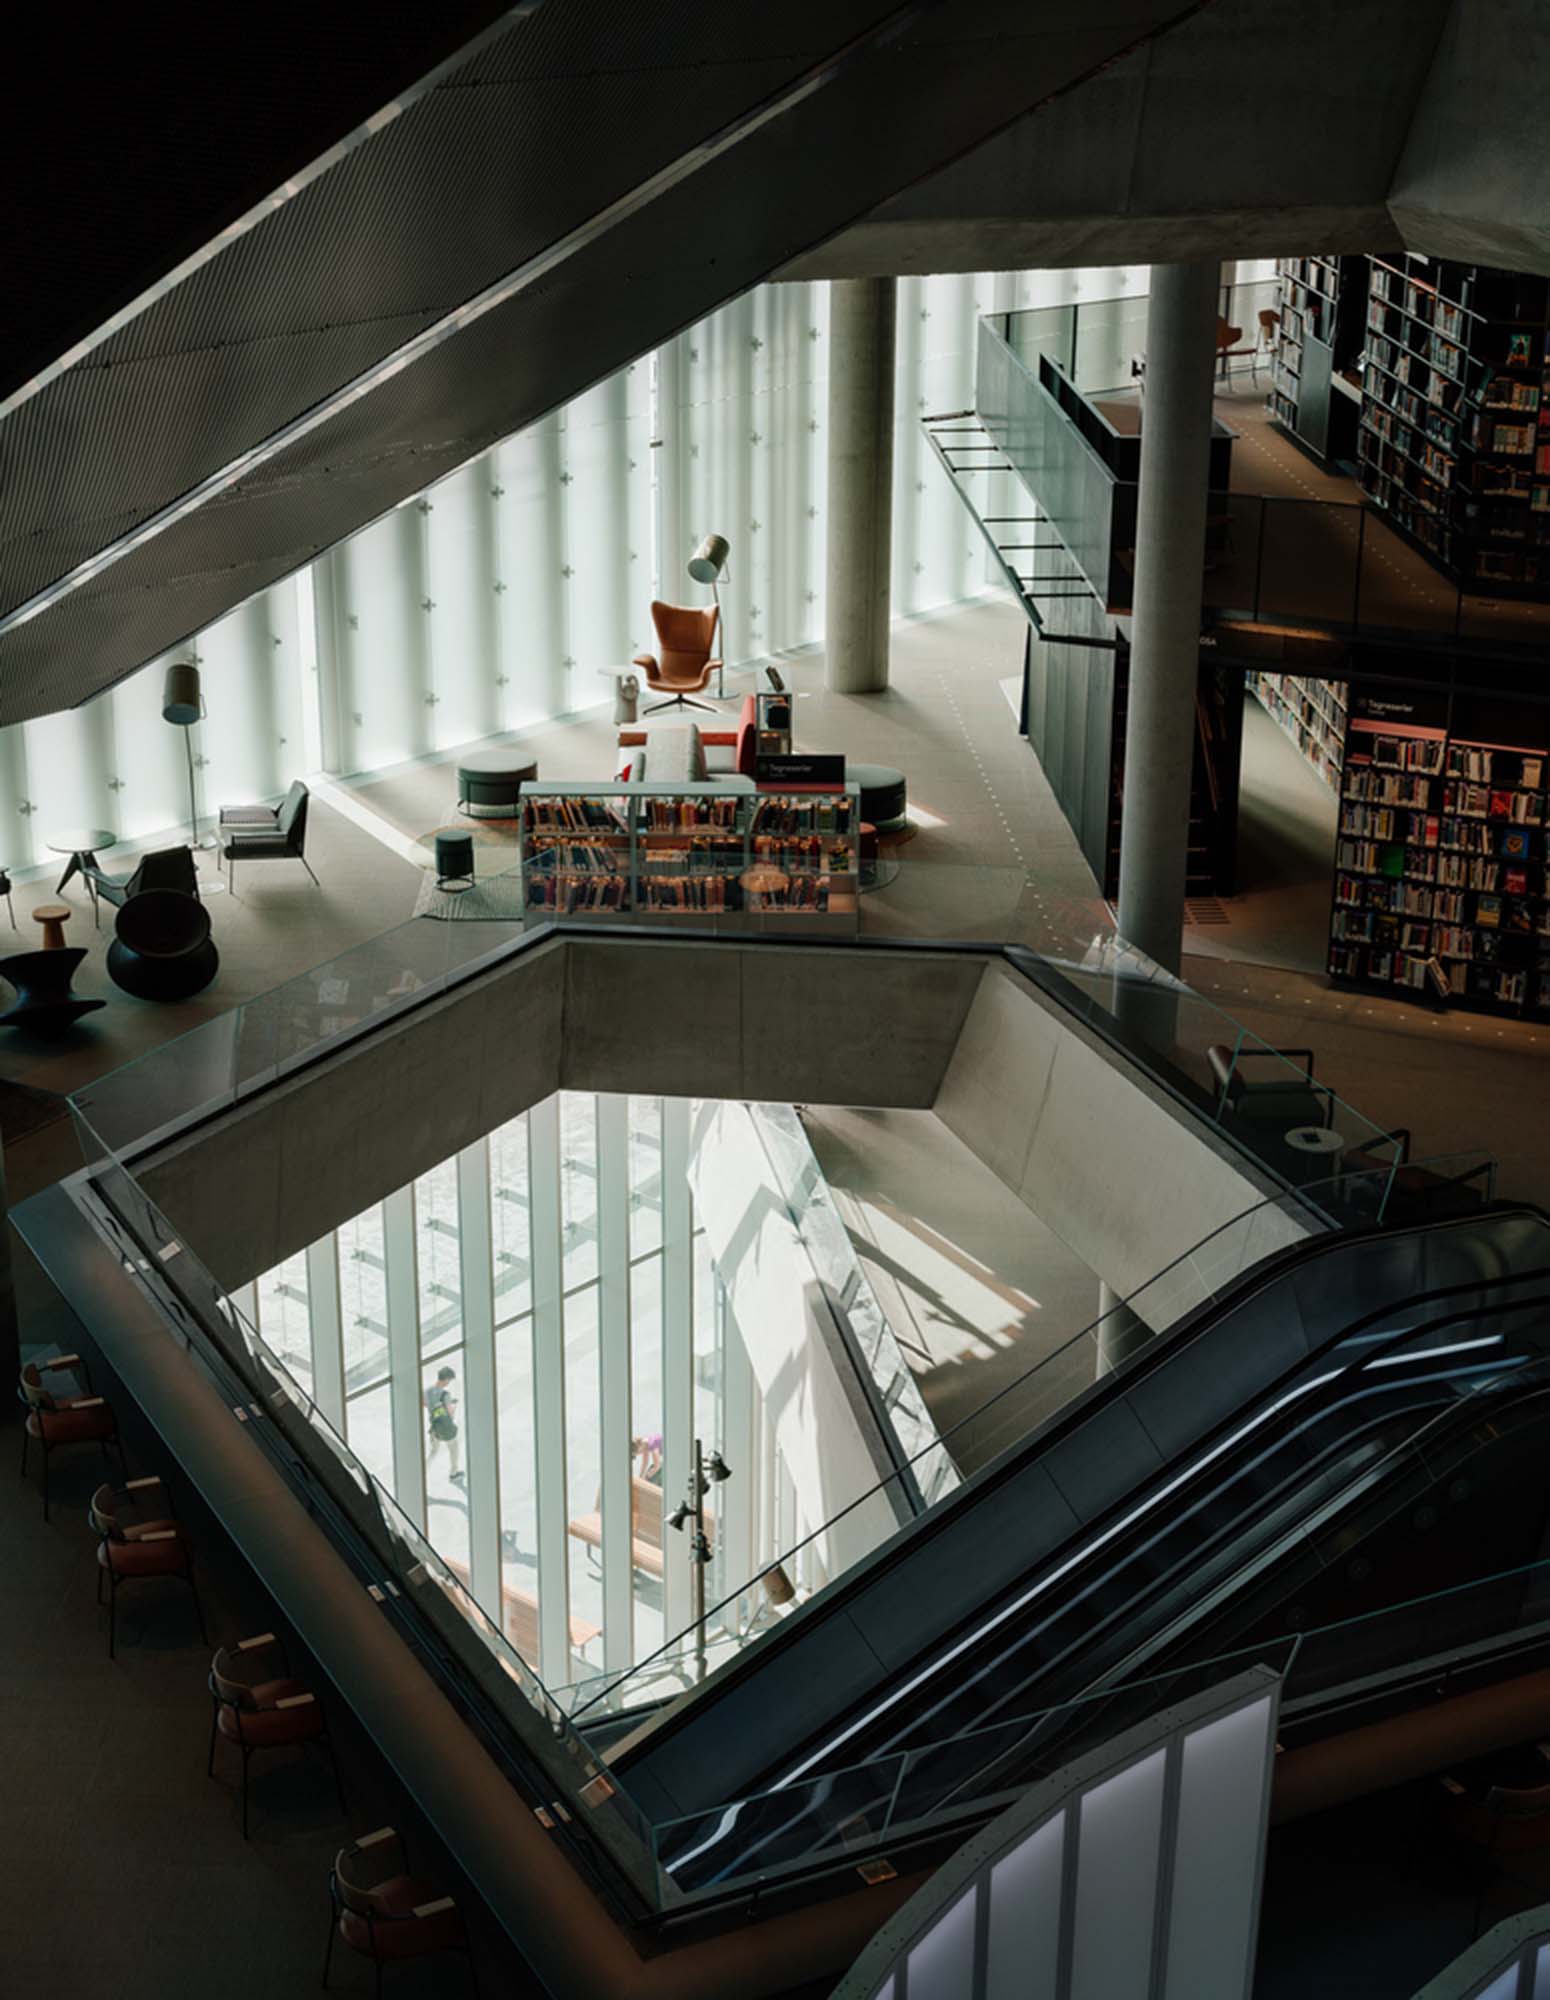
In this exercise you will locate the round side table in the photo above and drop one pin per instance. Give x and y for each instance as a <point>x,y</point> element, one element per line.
<point>81,844</point>
<point>1314,1139</point>
<point>53,917</point>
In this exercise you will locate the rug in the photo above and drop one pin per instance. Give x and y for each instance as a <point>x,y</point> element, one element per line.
<point>497,900</point>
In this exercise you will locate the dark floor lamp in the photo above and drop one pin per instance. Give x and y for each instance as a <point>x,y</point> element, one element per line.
<point>182,704</point>
<point>708,565</point>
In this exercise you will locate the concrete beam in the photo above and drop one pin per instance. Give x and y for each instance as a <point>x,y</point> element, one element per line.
<point>1168,154</point>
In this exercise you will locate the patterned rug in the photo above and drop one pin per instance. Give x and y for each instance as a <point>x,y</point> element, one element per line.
<point>498,900</point>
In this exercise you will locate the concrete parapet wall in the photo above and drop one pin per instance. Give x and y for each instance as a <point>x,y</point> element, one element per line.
<point>1101,1155</point>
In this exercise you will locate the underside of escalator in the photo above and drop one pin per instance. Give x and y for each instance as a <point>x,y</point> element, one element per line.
<point>1377,1447</point>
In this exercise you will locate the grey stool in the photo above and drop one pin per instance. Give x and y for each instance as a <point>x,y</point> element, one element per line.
<point>454,860</point>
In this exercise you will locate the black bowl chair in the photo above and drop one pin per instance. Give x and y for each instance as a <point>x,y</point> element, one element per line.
<point>161,948</point>
<point>165,868</point>
<point>44,1003</point>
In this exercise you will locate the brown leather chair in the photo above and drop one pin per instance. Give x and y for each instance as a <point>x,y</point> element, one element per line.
<point>686,636</point>
<point>386,1915</point>
<point>56,1420</point>
<point>256,1704</point>
<point>138,1538</point>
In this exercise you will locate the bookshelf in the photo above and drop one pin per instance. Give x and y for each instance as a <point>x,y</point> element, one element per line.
<point>1310,292</point>
<point>1454,444</point>
<point>1440,868</point>
<point>727,851</point>
<point>1312,713</point>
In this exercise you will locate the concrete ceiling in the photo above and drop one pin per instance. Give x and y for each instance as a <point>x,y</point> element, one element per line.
<point>1254,128</point>
<point>585,184</point>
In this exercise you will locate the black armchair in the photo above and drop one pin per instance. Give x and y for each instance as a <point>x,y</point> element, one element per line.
<point>165,868</point>
<point>266,833</point>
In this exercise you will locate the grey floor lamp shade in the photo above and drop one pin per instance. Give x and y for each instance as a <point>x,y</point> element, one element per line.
<point>182,704</point>
<point>708,565</point>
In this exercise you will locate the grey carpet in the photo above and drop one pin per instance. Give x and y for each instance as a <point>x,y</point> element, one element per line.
<point>498,899</point>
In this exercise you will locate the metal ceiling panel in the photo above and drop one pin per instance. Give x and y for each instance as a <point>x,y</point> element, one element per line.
<point>485,181</point>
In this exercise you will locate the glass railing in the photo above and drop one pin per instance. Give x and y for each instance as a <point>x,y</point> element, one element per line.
<point>1094,341</point>
<point>1017,1411</point>
<point>500,1688</point>
<point>887,1379</point>
<point>1430,1645</point>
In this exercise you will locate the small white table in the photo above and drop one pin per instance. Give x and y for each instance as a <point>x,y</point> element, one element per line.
<point>1314,1139</point>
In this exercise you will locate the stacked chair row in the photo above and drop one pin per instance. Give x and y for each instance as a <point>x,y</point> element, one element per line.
<point>378,1909</point>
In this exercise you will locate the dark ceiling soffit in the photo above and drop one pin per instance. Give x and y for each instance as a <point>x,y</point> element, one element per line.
<point>171,580</point>
<point>449,325</point>
<point>264,209</point>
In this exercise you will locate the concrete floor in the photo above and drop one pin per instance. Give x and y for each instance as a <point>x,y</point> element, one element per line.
<point>978,1291</point>
<point>1287,817</point>
<point>127,1875</point>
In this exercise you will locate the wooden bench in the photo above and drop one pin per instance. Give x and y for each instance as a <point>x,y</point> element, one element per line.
<point>645,1526</point>
<point>521,1618</point>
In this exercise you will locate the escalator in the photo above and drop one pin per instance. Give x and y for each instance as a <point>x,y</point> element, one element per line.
<point>1267,1462</point>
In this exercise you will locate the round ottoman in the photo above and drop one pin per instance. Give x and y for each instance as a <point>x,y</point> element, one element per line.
<point>884,798</point>
<point>162,949</point>
<point>454,859</point>
<point>489,782</point>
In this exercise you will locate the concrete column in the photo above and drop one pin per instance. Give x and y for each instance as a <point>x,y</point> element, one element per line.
<point>1165,621</point>
<point>860,504</point>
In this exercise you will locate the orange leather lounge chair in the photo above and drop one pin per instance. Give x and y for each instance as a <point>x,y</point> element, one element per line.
<point>686,636</point>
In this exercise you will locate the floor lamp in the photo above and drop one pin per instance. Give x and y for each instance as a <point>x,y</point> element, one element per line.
<point>708,565</point>
<point>690,1513</point>
<point>182,704</point>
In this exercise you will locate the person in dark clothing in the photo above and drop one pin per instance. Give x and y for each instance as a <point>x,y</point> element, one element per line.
<point>441,1417</point>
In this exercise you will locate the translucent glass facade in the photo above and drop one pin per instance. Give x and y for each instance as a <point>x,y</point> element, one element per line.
<point>558,1268</point>
<point>491,601</point>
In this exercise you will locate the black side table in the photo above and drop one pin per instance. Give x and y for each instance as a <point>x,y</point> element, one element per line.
<point>454,860</point>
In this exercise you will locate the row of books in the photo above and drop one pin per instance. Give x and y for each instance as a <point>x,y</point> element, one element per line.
<point>1475,801</point>
<point>1526,909</point>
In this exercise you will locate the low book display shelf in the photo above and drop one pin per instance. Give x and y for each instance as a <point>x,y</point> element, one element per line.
<point>728,852</point>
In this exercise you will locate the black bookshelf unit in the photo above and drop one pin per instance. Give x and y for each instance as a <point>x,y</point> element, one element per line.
<point>1455,420</point>
<point>1441,884</point>
<point>1318,338</point>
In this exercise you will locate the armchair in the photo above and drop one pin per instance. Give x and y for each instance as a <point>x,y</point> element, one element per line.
<point>58,1420</point>
<point>386,1915</point>
<point>266,833</point>
<point>686,636</point>
<point>258,1706</point>
<point>165,868</point>
<point>138,1538</point>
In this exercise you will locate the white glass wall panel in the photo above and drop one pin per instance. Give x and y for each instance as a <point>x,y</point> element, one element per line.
<point>1120,1827</point>
<point>1023,1953</point>
<point>460,536</point>
<point>1217,1856</point>
<point>524,482</point>
<point>380,642</point>
<point>941,1967</point>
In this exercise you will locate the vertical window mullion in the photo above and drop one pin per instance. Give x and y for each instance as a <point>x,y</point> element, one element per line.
<point>543,1129</point>
<point>327,1330</point>
<point>616,1457</point>
<point>677,1353</point>
<point>480,1413</point>
<point>403,1318</point>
